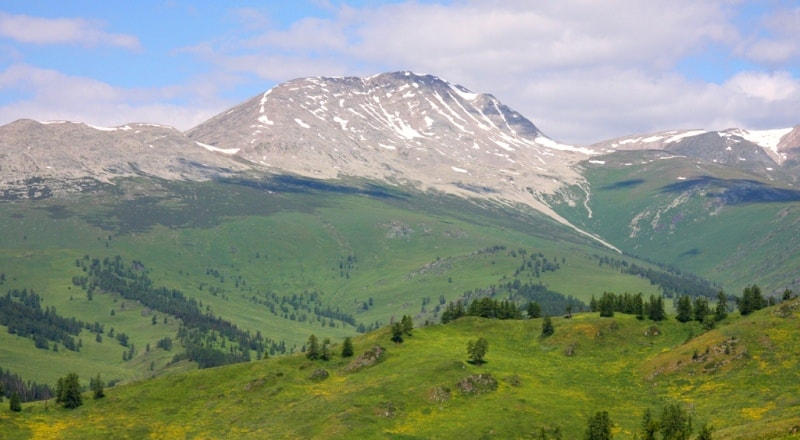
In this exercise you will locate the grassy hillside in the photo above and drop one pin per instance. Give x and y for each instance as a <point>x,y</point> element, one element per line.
<point>272,257</point>
<point>740,377</point>
<point>726,225</point>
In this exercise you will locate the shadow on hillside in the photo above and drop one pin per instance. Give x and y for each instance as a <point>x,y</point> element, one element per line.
<point>735,191</point>
<point>294,184</point>
<point>624,184</point>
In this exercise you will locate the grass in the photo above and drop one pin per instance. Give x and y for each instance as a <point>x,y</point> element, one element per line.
<point>263,241</point>
<point>636,205</point>
<point>590,364</point>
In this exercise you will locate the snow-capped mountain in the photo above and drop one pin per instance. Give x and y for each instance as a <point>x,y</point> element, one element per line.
<point>400,127</point>
<point>763,152</point>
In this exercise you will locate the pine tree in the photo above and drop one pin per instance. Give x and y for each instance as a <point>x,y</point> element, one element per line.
<point>547,326</point>
<point>397,332</point>
<point>684,309</point>
<point>649,426</point>
<point>325,353</point>
<point>69,391</point>
<point>96,385</point>
<point>598,427</point>
<point>14,403</point>
<point>721,311</point>
<point>676,423</point>
<point>347,347</point>
<point>701,309</point>
<point>408,324</point>
<point>312,348</point>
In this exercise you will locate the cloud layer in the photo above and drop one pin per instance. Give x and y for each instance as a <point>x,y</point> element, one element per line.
<point>582,71</point>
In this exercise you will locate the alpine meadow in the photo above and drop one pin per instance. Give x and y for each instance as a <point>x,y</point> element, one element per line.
<point>396,256</point>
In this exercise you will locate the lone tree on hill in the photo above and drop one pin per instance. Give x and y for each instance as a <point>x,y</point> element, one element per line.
<point>721,311</point>
<point>397,332</point>
<point>14,403</point>
<point>547,327</point>
<point>408,324</point>
<point>477,350</point>
<point>347,347</point>
<point>312,348</point>
<point>534,310</point>
<point>96,385</point>
<point>68,391</point>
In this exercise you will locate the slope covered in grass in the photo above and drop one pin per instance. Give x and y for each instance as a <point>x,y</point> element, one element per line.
<point>284,258</point>
<point>425,388</point>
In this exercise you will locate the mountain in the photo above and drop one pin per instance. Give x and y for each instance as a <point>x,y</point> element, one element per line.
<point>401,128</point>
<point>772,154</point>
<point>333,206</point>
<point>38,159</point>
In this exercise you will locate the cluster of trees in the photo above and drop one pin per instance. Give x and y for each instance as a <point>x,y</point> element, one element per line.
<point>402,328</point>
<point>672,281</point>
<point>699,310</point>
<point>675,424</point>
<point>751,300</point>
<point>26,391</point>
<point>22,313</point>
<point>321,351</point>
<point>610,303</point>
<point>535,263</point>
<point>199,327</point>
<point>304,307</point>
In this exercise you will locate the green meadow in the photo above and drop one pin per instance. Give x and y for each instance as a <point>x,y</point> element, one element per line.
<point>740,378</point>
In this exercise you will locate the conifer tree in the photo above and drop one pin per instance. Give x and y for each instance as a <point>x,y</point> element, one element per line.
<point>96,385</point>
<point>598,427</point>
<point>312,348</point>
<point>69,391</point>
<point>684,309</point>
<point>547,326</point>
<point>14,403</point>
<point>397,332</point>
<point>721,311</point>
<point>347,347</point>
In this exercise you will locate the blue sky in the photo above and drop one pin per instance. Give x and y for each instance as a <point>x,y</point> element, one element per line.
<point>581,71</point>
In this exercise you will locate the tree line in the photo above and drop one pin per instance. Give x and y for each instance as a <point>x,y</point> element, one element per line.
<point>22,313</point>
<point>131,281</point>
<point>671,281</point>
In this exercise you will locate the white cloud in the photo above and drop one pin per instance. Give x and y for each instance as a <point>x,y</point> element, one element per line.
<point>51,95</point>
<point>37,30</point>
<point>582,71</point>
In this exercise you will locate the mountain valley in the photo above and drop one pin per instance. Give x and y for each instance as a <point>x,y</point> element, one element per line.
<point>336,206</point>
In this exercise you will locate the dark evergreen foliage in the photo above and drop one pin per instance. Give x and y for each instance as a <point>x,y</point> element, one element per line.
<point>397,332</point>
<point>199,329</point>
<point>598,427</point>
<point>26,390</point>
<point>547,327</point>
<point>751,300</point>
<point>68,391</point>
<point>347,347</point>
<point>14,403</point>
<point>21,312</point>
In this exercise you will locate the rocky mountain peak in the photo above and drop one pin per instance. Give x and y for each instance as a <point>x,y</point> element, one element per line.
<point>400,127</point>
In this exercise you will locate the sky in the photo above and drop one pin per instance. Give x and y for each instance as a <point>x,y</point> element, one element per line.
<point>581,70</point>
